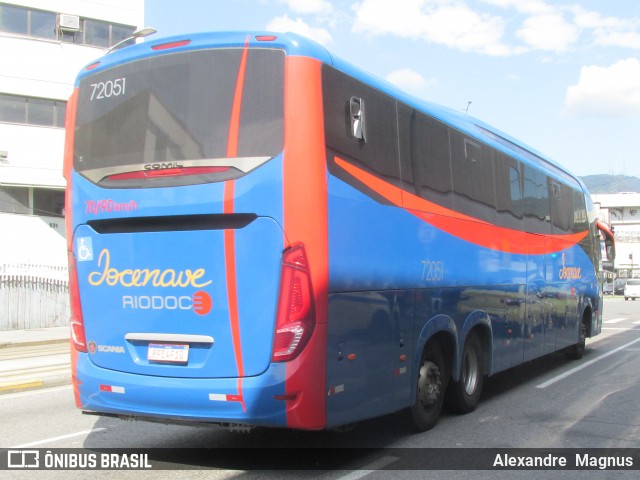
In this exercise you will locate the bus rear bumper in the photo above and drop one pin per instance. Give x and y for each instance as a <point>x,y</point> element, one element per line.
<point>254,401</point>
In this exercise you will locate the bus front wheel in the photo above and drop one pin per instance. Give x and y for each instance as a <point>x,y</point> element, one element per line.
<point>463,396</point>
<point>430,389</point>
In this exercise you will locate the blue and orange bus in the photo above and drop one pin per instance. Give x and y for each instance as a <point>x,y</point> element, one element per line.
<point>261,233</point>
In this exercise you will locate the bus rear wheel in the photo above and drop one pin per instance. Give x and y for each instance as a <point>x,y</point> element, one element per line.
<point>463,396</point>
<point>576,352</point>
<point>430,389</point>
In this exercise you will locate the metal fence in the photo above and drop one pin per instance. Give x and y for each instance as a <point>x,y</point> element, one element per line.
<point>33,296</point>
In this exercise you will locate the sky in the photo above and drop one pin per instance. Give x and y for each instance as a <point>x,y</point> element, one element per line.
<point>561,76</point>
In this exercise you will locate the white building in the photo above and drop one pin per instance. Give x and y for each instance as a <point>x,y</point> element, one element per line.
<point>43,46</point>
<point>622,212</point>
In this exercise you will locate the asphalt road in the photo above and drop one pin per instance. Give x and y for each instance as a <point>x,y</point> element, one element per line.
<point>550,403</point>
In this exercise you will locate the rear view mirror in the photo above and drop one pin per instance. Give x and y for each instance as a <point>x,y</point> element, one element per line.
<point>609,241</point>
<point>357,118</point>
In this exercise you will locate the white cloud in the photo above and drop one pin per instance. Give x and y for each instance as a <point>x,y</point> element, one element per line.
<point>299,26</point>
<point>378,17</point>
<point>608,31</point>
<point>534,7</point>
<point>410,80</point>
<point>450,23</point>
<point>310,6</point>
<point>618,39</point>
<point>612,91</point>
<point>549,32</point>
<point>496,27</point>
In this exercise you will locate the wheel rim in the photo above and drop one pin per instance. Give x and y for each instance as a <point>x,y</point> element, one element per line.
<point>430,385</point>
<point>470,371</point>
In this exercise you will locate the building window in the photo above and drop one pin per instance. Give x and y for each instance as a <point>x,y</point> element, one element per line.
<point>44,202</point>
<point>48,202</point>
<point>32,111</point>
<point>42,24</point>
<point>14,19</point>
<point>96,33</point>
<point>24,21</point>
<point>14,200</point>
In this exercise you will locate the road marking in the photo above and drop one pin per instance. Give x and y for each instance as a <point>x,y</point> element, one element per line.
<point>61,437</point>
<point>637,323</point>
<point>370,468</point>
<point>585,365</point>
<point>615,320</point>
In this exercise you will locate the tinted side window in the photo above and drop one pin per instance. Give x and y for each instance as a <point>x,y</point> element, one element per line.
<point>473,176</point>
<point>424,153</point>
<point>561,206</point>
<point>580,217</point>
<point>536,201</point>
<point>508,181</point>
<point>379,152</point>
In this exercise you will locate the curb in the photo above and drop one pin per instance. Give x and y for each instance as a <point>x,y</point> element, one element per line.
<point>36,383</point>
<point>32,343</point>
<point>34,363</point>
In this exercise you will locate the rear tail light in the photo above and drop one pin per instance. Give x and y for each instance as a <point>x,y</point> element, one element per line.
<point>76,322</point>
<point>168,172</point>
<point>296,313</point>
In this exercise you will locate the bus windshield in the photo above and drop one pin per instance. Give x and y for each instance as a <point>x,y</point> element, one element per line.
<point>174,111</point>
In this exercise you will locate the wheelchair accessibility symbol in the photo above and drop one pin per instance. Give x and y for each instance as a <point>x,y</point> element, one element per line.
<point>84,248</point>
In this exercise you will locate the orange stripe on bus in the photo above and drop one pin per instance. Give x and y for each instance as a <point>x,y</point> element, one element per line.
<point>229,235</point>
<point>305,221</point>
<point>470,229</point>
<point>236,108</point>
<point>232,285</point>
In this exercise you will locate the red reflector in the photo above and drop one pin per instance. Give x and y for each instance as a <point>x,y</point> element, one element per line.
<point>166,46</point>
<point>92,66</point>
<point>167,172</point>
<point>266,38</point>
<point>112,388</point>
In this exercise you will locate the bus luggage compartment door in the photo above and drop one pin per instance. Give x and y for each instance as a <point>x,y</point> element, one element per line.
<point>197,303</point>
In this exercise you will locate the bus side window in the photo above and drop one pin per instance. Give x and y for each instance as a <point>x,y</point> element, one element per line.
<point>562,210</point>
<point>508,190</point>
<point>366,137</point>
<point>473,177</point>
<point>425,156</point>
<point>537,210</point>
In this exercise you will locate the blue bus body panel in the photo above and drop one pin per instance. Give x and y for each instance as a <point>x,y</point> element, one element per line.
<point>186,399</point>
<point>433,283</point>
<point>121,312</point>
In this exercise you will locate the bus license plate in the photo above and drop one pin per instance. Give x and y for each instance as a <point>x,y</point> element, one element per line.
<point>168,353</point>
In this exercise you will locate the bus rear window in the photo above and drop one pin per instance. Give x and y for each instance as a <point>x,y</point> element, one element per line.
<point>172,112</point>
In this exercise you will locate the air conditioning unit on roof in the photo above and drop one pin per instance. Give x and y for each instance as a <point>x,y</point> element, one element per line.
<point>69,23</point>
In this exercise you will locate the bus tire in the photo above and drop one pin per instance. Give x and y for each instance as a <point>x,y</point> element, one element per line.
<point>576,352</point>
<point>431,384</point>
<point>463,396</point>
